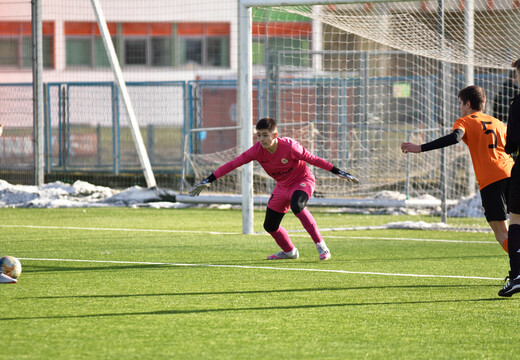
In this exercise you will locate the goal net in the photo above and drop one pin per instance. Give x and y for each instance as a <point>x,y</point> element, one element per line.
<point>352,81</point>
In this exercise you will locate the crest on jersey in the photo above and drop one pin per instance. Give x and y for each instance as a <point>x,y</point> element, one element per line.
<point>284,161</point>
<point>303,185</point>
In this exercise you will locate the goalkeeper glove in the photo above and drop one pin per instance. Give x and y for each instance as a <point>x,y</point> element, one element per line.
<point>349,177</point>
<point>198,188</point>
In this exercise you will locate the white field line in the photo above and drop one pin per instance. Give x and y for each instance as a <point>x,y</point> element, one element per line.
<point>119,229</point>
<point>265,268</point>
<point>408,239</point>
<point>236,233</point>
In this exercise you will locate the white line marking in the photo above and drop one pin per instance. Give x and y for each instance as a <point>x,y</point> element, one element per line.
<point>237,233</point>
<point>118,229</point>
<point>409,239</point>
<point>266,268</point>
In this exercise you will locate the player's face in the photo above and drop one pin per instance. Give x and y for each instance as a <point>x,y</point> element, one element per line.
<point>465,108</point>
<point>267,139</point>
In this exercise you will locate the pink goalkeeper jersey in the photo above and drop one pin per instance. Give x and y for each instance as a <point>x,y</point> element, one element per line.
<point>287,165</point>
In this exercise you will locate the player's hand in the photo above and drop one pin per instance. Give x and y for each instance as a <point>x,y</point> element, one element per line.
<point>408,147</point>
<point>198,188</point>
<point>348,177</point>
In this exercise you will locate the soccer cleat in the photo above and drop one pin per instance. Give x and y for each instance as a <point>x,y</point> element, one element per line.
<point>4,279</point>
<point>323,250</point>
<point>511,287</point>
<point>281,255</point>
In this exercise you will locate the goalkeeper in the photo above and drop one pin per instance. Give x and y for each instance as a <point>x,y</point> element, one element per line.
<point>485,137</point>
<point>285,160</point>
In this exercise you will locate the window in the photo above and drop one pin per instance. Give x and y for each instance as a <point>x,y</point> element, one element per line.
<point>205,44</point>
<point>79,52</point>
<point>100,53</point>
<point>47,49</point>
<point>270,38</point>
<point>277,44</point>
<point>217,54</point>
<point>84,45</point>
<point>161,51</point>
<point>191,51</point>
<point>16,44</point>
<point>9,51</point>
<point>135,52</point>
<point>149,44</point>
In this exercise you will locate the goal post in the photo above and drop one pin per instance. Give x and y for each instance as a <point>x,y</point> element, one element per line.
<point>245,111</point>
<point>38,108</point>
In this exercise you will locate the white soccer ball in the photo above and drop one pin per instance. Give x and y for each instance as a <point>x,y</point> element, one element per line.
<point>11,266</point>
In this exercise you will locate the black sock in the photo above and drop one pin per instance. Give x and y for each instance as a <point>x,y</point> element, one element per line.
<point>514,248</point>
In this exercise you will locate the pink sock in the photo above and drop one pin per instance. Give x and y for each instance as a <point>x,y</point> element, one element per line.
<point>309,224</point>
<point>282,239</point>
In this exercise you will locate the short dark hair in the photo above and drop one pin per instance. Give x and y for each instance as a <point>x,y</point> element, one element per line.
<point>516,64</point>
<point>268,124</point>
<point>475,95</point>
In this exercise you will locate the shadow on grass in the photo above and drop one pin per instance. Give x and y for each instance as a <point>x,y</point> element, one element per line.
<point>243,262</point>
<point>254,308</point>
<point>249,292</point>
<point>42,269</point>
<point>431,258</point>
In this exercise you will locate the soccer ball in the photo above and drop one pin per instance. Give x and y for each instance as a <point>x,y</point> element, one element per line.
<point>10,266</point>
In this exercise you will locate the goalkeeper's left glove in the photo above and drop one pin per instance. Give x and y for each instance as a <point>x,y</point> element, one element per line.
<point>203,185</point>
<point>345,175</point>
<point>199,187</point>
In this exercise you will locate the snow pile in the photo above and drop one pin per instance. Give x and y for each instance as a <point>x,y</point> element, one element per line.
<point>470,206</point>
<point>82,194</point>
<point>417,225</point>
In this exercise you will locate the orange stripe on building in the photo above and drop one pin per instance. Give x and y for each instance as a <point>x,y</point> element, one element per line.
<point>135,28</point>
<point>218,29</point>
<point>10,28</point>
<point>78,28</point>
<point>190,29</point>
<point>160,29</point>
<point>282,29</point>
<point>112,29</point>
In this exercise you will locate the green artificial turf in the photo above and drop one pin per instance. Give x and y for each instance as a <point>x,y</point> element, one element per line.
<point>121,283</point>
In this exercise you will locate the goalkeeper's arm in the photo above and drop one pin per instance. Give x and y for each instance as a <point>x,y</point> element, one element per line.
<point>344,175</point>
<point>203,185</point>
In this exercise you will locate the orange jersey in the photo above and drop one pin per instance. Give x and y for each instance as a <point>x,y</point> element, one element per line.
<point>486,138</point>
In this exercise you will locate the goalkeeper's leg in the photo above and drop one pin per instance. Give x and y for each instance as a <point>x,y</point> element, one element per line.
<point>272,226</point>
<point>298,202</point>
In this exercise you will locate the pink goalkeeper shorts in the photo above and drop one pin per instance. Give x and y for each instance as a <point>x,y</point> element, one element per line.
<point>280,200</point>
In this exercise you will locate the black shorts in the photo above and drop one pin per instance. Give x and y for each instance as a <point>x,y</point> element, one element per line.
<point>513,200</point>
<point>494,200</point>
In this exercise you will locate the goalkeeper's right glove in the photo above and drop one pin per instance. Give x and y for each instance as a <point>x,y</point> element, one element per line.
<point>199,187</point>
